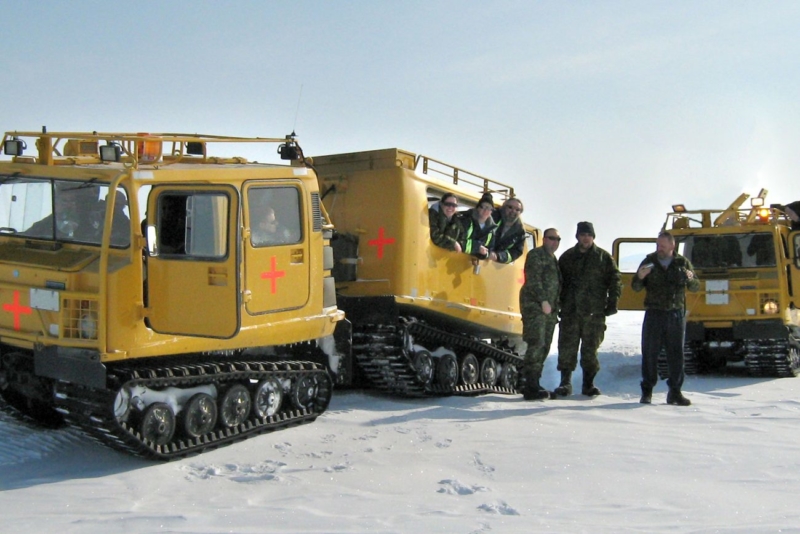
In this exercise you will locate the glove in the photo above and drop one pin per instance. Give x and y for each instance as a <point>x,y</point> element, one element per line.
<point>611,309</point>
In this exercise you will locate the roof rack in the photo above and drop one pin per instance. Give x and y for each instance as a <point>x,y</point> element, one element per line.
<point>132,149</point>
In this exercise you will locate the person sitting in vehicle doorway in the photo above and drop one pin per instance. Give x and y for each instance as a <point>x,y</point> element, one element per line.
<point>269,232</point>
<point>446,231</point>
<point>509,238</point>
<point>479,228</point>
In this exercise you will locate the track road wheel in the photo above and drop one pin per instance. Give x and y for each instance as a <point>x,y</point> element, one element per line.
<point>509,376</point>
<point>422,362</point>
<point>158,423</point>
<point>304,392</point>
<point>489,372</point>
<point>199,415</point>
<point>268,398</point>
<point>469,370</point>
<point>447,371</point>
<point>234,406</point>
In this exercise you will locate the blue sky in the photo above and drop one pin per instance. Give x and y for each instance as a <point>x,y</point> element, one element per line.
<point>601,111</point>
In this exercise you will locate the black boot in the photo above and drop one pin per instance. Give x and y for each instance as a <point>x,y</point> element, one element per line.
<point>589,389</point>
<point>647,395</point>
<point>564,389</point>
<point>676,397</point>
<point>533,391</point>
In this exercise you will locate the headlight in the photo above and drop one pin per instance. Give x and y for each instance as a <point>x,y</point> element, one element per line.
<point>89,325</point>
<point>770,307</point>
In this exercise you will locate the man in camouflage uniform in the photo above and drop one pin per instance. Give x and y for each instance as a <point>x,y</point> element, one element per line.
<point>538,302</point>
<point>589,294</point>
<point>666,275</point>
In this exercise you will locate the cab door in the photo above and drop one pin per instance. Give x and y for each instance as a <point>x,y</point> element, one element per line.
<point>192,275</point>
<point>276,247</point>
<point>628,253</point>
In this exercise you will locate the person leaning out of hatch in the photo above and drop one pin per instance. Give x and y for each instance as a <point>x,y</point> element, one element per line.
<point>446,230</point>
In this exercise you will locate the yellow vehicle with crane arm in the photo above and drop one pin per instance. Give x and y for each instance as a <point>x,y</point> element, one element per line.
<point>748,261</point>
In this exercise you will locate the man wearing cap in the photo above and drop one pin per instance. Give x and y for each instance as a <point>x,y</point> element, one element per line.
<point>589,293</point>
<point>538,304</point>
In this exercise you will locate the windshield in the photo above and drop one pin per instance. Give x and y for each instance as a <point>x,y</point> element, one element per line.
<point>729,251</point>
<point>60,210</point>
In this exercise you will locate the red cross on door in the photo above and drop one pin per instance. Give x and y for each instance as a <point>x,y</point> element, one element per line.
<point>273,275</point>
<point>17,310</point>
<point>380,242</point>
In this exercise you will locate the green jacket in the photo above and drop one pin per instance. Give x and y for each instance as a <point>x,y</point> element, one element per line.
<point>542,282</point>
<point>591,281</point>
<point>444,233</point>
<point>474,236</point>
<point>665,287</point>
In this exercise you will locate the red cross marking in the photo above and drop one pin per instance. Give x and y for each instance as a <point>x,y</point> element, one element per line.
<point>380,242</point>
<point>17,310</point>
<point>273,275</point>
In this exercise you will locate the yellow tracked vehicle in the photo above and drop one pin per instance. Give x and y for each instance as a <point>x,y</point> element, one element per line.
<point>162,299</point>
<point>748,262</point>
<point>425,320</point>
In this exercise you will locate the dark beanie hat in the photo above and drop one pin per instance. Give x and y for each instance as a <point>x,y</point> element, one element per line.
<point>487,197</point>
<point>585,228</point>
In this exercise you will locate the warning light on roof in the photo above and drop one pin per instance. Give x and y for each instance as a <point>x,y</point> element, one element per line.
<point>149,151</point>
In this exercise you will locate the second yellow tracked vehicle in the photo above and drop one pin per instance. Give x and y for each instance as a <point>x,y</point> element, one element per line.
<point>425,320</point>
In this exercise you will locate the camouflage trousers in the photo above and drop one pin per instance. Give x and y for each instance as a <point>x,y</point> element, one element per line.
<point>586,331</point>
<point>537,332</point>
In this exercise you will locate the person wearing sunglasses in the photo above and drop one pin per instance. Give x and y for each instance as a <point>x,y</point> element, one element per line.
<point>509,238</point>
<point>539,305</point>
<point>479,228</point>
<point>446,231</point>
<point>589,294</point>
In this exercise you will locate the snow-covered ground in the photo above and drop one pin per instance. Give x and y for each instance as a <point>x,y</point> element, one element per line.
<point>728,463</point>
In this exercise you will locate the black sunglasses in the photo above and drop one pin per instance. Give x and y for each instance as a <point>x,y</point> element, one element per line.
<point>552,238</point>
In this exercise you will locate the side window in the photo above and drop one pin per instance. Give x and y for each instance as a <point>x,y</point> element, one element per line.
<point>193,224</point>
<point>631,255</point>
<point>275,216</point>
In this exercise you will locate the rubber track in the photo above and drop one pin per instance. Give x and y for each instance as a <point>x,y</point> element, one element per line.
<point>379,350</point>
<point>771,358</point>
<point>91,410</point>
<point>689,362</point>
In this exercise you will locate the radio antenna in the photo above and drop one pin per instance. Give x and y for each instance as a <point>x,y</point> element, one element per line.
<point>297,111</point>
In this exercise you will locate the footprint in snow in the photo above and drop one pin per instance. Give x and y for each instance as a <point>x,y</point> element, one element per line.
<point>454,487</point>
<point>482,467</point>
<point>501,508</point>
<point>444,443</point>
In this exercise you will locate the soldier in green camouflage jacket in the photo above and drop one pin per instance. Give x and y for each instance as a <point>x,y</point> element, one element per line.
<point>590,292</point>
<point>539,302</point>
<point>665,275</point>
